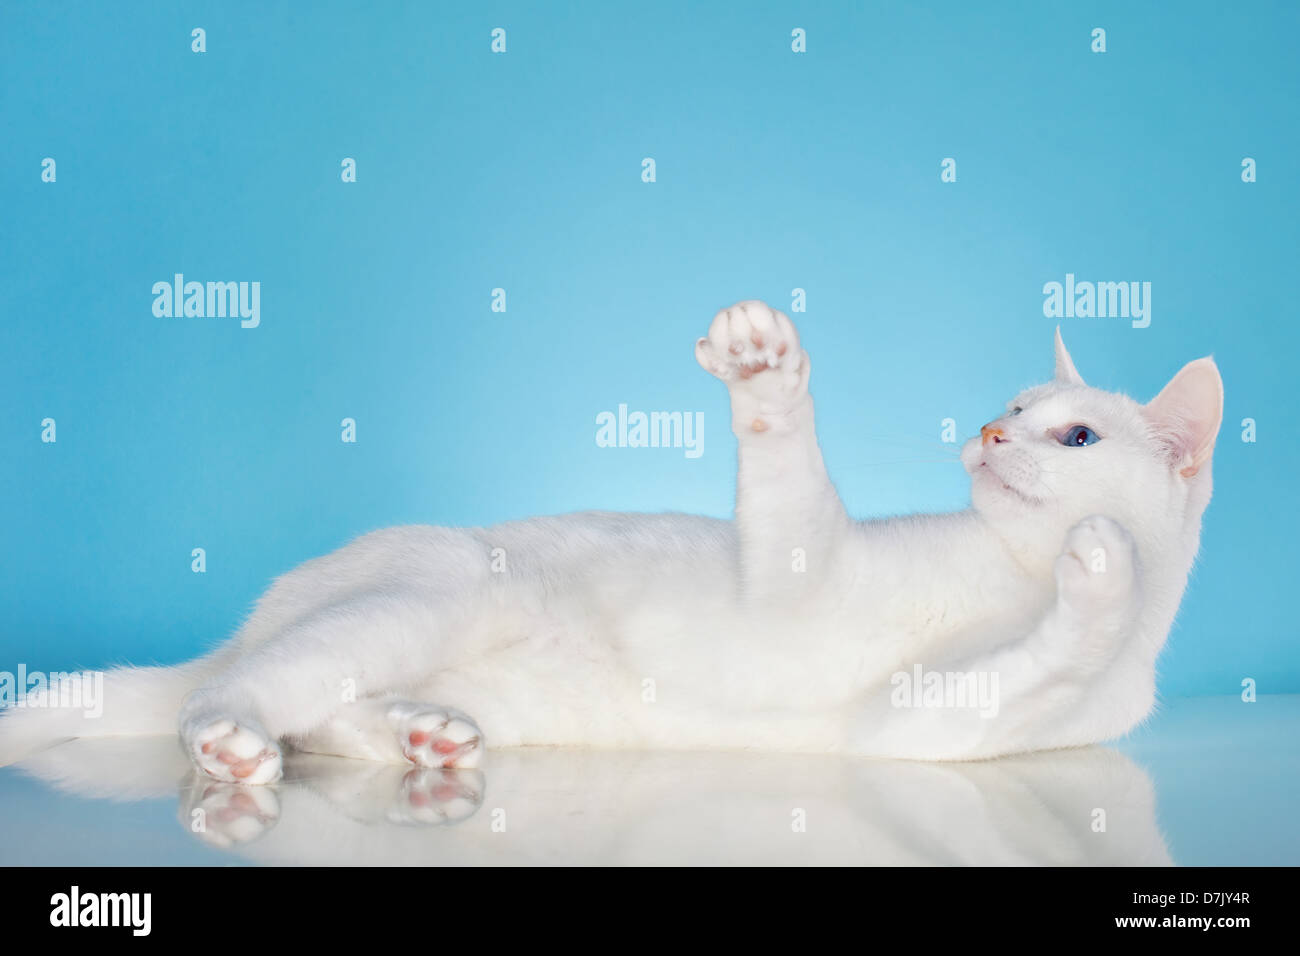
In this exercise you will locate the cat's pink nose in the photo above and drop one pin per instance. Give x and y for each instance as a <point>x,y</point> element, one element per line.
<point>996,434</point>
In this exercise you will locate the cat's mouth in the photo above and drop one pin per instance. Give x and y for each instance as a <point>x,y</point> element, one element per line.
<point>1007,486</point>
<point>1019,494</point>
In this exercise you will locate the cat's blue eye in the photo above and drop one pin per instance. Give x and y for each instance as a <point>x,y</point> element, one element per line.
<point>1017,410</point>
<point>1080,435</point>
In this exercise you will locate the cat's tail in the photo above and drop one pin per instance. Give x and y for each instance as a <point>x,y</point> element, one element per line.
<point>125,702</point>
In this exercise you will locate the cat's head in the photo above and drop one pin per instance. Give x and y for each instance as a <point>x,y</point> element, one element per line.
<point>1063,451</point>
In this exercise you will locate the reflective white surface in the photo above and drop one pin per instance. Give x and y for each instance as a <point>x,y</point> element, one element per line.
<point>1207,781</point>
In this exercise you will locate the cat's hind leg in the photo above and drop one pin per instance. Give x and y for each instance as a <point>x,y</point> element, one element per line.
<point>297,682</point>
<point>397,730</point>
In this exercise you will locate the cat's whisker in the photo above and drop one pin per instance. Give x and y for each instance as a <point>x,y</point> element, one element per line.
<point>910,461</point>
<point>937,452</point>
<point>923,444</point>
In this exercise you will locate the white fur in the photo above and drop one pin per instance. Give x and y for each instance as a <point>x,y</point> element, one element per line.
<point>671,631</point>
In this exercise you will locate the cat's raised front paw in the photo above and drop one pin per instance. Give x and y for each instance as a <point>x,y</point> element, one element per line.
<point>751,340</point>
<point>1096,571</point>
<point>235,752</point>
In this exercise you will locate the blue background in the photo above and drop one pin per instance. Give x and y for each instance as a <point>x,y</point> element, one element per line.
<point>523,171</point>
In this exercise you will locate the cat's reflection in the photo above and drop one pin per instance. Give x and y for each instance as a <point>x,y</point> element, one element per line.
<point>227,814</point>
<point>1085,806</point>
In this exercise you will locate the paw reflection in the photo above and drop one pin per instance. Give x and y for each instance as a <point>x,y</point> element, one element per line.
<point>436,797</point>
<point>322,797</point>
<point>551,805</point>
<point>228,814</point>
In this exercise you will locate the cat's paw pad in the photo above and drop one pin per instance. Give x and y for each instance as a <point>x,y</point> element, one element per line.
<point>235,752</point>
<point>751,339</point>
<point>228,814</point>
<point>1096,569</point>
<point>439,737</point>
<point>437,797</point>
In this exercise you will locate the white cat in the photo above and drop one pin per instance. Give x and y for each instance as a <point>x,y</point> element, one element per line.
<point>786,629</point>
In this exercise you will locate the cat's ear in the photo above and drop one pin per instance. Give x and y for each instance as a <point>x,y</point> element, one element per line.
<point>1065,370</point>
<point>1187,414</point>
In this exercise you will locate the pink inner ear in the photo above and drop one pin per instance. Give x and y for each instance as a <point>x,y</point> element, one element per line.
<point>1189,411</point>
